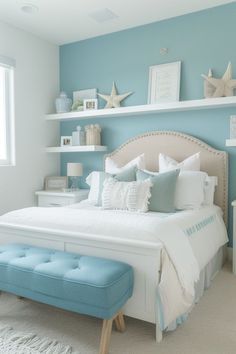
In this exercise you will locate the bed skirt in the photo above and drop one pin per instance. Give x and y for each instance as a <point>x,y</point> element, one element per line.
<point>206,276</point>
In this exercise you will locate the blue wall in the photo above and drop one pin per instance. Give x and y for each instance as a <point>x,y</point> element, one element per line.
<point>201,40</point>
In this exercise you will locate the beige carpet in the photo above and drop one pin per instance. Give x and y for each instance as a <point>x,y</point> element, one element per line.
<point>210,329</point>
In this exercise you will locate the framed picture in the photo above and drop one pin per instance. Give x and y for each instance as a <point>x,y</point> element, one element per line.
<point>55,183</point>
<point>233,127</point>
<point>80,96</point>
<point>90,104</point>
<point>84,94</point>
<point>164,83</point>
<point>66,140</point>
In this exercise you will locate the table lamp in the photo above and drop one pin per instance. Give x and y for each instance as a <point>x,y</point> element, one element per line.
<point>74,170</point>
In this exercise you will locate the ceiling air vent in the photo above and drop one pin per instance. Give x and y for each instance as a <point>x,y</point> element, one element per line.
<point>103,15</point>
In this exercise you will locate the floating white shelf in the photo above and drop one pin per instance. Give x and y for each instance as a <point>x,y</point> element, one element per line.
<point>209,103</point>
<point>230,142</point>
<point>85,148</point>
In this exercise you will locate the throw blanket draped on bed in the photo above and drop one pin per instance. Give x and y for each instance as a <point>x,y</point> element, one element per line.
<point>180,269</point>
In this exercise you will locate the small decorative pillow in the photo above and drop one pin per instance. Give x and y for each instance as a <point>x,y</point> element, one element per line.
<point>192,163</point>
<point>190,190</point>
<point>139,195</point>
<point>96,179</point>
<point>162,191</point>
<point>132,196</point>
<point>112,167</point>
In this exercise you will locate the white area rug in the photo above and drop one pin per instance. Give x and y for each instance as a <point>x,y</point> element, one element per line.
<point>210,329</point>
<point>12,341</point>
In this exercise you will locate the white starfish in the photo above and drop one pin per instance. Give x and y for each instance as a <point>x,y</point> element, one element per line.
<point>225,86</point>
<point>113,100</point>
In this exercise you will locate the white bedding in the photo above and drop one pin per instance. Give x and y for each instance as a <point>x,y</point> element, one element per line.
<point>189,239</point>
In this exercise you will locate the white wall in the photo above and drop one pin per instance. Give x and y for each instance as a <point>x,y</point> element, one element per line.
<point>36,86</point>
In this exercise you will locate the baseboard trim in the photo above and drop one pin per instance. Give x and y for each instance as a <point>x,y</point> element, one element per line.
<point>230,254</point>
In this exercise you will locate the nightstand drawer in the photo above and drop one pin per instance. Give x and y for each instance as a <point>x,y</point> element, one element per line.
<point>46,201</point>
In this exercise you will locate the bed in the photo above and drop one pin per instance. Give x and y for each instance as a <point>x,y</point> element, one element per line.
<point>58,227</point>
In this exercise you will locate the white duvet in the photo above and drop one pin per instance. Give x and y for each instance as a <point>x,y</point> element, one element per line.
<point>188,239</point>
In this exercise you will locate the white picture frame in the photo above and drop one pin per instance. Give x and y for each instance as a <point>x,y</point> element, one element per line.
<point>90,104</point>
<point>164,83</point>
<point>55,183</point>
<point>66,140</point>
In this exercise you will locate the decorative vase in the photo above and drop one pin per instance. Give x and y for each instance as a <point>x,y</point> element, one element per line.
<point>63,103</point>
<point>78,136</point>
<point>93,134</point>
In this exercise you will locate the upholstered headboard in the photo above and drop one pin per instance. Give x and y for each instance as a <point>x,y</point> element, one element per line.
<point>178,146</point>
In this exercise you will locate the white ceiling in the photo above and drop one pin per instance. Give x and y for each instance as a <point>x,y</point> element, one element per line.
<point>64,21</point>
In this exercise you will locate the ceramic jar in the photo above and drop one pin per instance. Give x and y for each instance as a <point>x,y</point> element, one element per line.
<point>93,134</point>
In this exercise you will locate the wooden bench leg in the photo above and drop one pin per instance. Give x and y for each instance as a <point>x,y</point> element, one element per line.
<point>120,322</point>
<point>106,331</point>
<point>106,336</point>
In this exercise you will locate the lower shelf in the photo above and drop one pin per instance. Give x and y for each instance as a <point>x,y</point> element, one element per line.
<point>84,148</point>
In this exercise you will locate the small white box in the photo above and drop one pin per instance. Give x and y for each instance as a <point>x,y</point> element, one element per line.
<point>233,127</point>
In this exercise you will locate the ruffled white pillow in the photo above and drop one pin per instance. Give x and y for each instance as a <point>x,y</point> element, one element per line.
<point>112,167</point>
<point>132,196</point>
<point>191,163</point>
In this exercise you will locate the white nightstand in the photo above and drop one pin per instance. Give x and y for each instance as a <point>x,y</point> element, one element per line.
<point>234,236</point>
<point>59,199</point>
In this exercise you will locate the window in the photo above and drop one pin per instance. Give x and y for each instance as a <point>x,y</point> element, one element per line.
<point>6,112</point>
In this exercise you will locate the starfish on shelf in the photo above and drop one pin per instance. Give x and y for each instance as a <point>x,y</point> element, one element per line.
<point>225,86</point>
<point>113,100</point>
<point>209,89</point>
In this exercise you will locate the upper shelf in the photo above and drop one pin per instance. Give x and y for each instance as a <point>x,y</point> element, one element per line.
<point>208,103</point>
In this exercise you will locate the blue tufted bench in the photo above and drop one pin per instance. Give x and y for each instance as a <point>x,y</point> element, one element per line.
<point>86,285</point>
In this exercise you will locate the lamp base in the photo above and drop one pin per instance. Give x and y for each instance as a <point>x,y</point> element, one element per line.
<point>73,185</point>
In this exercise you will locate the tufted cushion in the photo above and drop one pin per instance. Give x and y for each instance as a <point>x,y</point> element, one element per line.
<point>83,284</point>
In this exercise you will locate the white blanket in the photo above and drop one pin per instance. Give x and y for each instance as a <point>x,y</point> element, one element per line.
<point>180,267</point>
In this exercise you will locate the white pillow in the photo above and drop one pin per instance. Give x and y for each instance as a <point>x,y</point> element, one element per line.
<point>112,167</point>
<point>95,180</point>
<point>132,196</point>
<point>151,172</point>
<point>209,190</point>
<point>190,190</point>
<point>192,163</point>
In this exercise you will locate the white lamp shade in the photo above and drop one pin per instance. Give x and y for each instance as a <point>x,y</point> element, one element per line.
<point>74,169</point>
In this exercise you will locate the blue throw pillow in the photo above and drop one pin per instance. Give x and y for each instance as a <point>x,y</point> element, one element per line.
<point>128,175</point>
<point>162,191</point>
